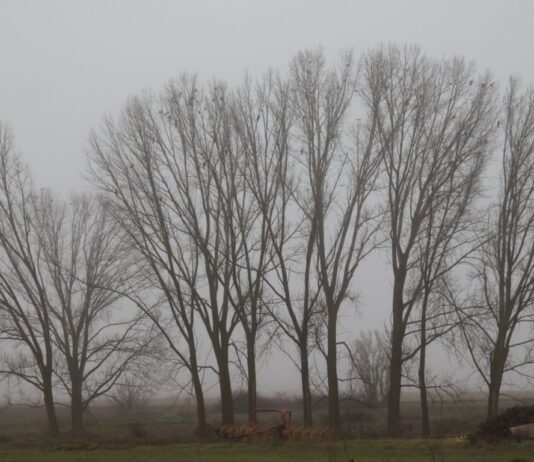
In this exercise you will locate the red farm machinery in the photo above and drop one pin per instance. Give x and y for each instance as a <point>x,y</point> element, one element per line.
<point>280,427</point>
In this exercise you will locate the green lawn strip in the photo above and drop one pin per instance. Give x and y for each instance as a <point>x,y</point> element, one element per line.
<point>357,451</point>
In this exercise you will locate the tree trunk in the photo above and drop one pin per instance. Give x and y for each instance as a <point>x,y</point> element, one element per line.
<point>395,385</point>
<point>76,407</point>
<point>425,417</point>
<point>48,396</point>
<point>493,400</point>
<point>251,382</point>
<point>305,381</point>
<point>498,361</point>
<point>202,425</point>
<point>334,418</point>
<point>395,369</point>
<point>225,386</point>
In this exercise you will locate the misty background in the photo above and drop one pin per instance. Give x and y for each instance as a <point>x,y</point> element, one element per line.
<point>64,64</point>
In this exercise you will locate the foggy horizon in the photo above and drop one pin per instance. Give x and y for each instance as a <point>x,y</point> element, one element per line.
<point>54,90</point>
<point>68,63</point>
<point>74,88</point>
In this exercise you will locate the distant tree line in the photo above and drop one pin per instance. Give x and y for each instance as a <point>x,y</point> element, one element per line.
<point>239,217</point>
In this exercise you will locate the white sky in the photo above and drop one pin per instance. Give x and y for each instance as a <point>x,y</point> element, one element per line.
<point>63,64</point>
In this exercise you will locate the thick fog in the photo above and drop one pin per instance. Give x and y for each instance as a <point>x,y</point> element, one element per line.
<point>65,64</point>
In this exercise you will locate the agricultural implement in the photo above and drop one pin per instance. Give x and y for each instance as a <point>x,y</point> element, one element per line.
<point>282,429</point>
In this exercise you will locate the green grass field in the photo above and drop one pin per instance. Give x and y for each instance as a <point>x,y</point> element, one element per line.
<point>356,451</point>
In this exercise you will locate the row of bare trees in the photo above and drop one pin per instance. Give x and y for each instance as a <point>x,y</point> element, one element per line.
<point>254,203</point>
<point>62,265</point>
<point>233,218</point>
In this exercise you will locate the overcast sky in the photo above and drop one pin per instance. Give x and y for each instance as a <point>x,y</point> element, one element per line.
<point>63,64</point>
<point>66,63</point>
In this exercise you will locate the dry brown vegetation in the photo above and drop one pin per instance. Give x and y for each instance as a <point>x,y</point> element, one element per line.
<point>170,422</point>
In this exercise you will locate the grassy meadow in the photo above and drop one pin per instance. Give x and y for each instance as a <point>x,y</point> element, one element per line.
<point>163,432</point>
<point>355,451</point>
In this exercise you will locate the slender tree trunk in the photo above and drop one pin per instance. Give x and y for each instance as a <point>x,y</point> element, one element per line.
<point>202,425</point>
<point>496,374</point>
<point>305,381</point>
<point>425,417</point>
<point>48,396</point>
<point>76,406</point>
<point>395,375</point>
<point>251,382</point>
<point>225,386</point>
<point>493,400</point>
<point>334,418</point>
<point>395,369</point>
<point>395,384</point>
<point>201,407</point>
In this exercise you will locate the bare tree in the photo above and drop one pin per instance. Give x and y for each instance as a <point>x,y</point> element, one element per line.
<point>434,120</point>
<point>370,367</point>
<point>496,323</point>
<point>449,236</point>
<point>87,265</point>
<point>339,179</point>
<point>433,319</point>
<point>132,392</point>
<point>261,124</point>
<point>205,188</point>
<point>127,163</point>
<point>25,315</point>
<point>173,169</point>
<point>292,281</point>
<point>290,286</point>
